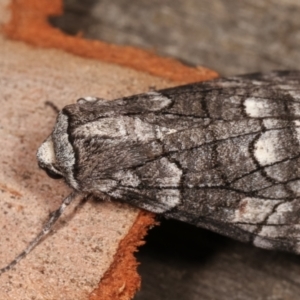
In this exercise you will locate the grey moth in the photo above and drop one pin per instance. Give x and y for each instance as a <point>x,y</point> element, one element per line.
<point>223,155</point>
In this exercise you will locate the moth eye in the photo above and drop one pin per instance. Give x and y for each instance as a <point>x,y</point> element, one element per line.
<point>52,174</point>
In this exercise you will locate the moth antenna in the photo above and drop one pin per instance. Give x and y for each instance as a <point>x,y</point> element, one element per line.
<point>54,216</point>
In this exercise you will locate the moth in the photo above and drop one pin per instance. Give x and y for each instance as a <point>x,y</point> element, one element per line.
<point>223,155</point>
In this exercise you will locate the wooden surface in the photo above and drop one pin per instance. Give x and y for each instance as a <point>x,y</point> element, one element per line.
<point>59,267</point>
<point>180,261</point>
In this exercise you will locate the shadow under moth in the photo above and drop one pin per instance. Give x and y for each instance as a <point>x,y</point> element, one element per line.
<point>223,155</point>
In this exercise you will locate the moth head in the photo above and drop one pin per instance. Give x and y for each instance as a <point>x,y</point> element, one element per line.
<point>47,159</point>
<point>56,155</point>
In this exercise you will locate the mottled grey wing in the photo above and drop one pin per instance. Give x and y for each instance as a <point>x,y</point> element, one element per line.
<point>223,154</point>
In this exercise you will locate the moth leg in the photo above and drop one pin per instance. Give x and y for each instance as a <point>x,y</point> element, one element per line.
<point>54,216</point>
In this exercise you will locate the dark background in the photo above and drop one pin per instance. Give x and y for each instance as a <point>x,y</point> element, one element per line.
<point>231,37</point>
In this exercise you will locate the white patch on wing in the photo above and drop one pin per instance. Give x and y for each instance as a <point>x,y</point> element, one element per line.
<point>142,131</point>
<point>270,123</point>
<point>172,174</point>
<point>158,101</point>
<point>262,243</point>
<point>279,232</point>
<point>127,178</point>
<point>279,217</point>
<point>104,185</point>
<point>132,128</point>
<point>116,194</point>
<point>254,210</point>
<point>256,107</point>
<point>167,198</point>
<point>161,132</point>
<point>265,148</point>
<point>106,127</point>
<point>273,123</point>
